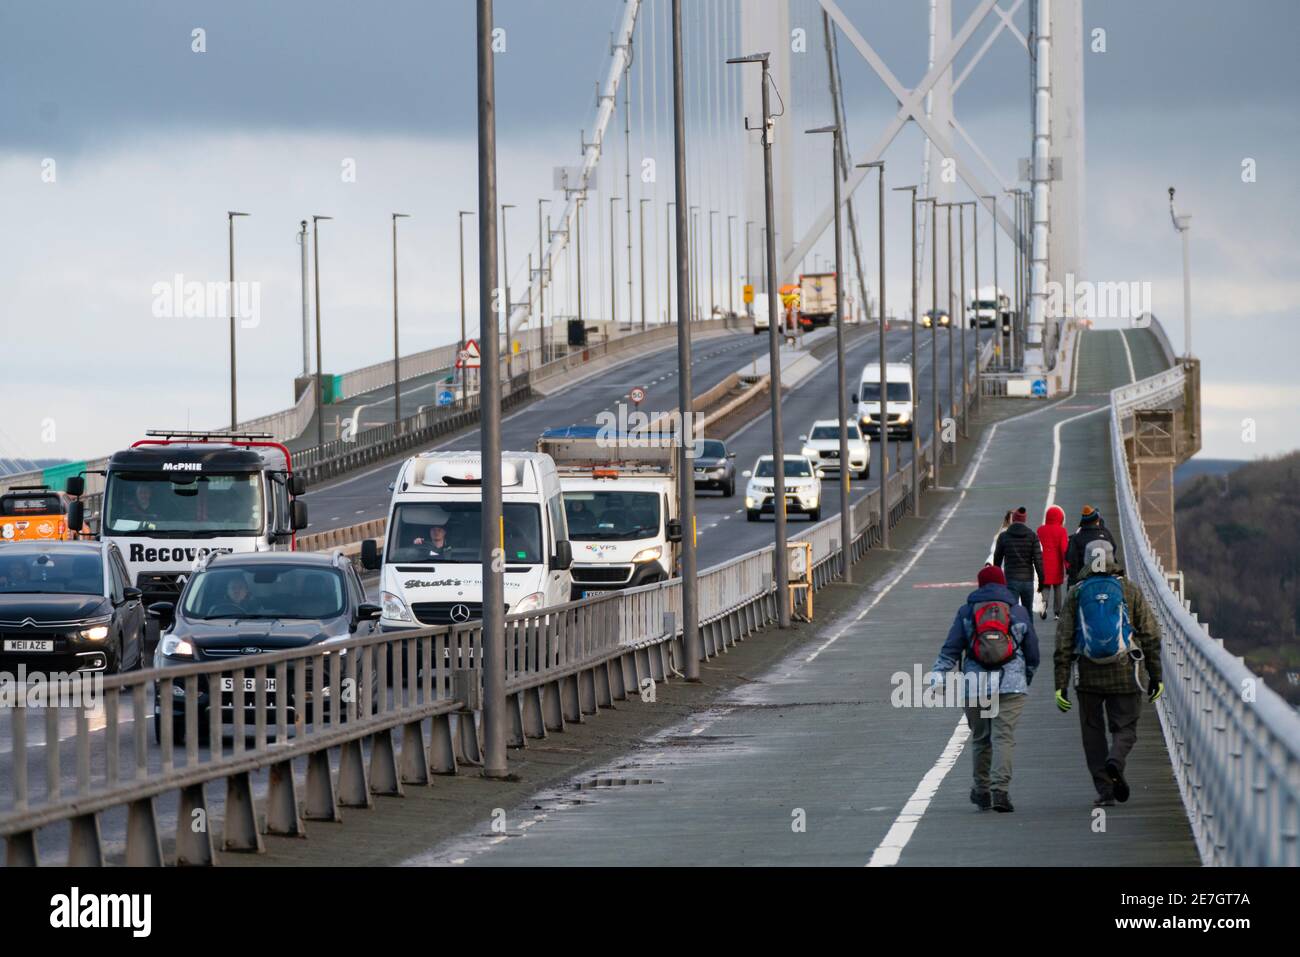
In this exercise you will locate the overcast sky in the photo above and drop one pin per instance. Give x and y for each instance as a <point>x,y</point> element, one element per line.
<point>151,143</point>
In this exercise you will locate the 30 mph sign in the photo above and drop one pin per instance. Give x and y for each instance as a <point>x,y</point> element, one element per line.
<point>468,358</point>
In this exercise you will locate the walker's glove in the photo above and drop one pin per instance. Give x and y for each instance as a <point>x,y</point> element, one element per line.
<point>1156,690</point>
<point>1063,700</point>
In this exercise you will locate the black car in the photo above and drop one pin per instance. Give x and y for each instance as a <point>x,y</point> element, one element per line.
<point>715,467</point>
<point>928,318</point>
<point>66,606</point>
<point>245,604</point>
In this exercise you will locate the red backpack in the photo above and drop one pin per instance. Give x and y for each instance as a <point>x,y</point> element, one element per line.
<point>992,645</point>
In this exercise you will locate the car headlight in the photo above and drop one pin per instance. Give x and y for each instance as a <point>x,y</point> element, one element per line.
<point>647,555</point>
<point>750,503</point>
<point>394,608</point>
<point>904,418</point>
<point>529,603</point>
<point>94,633</point>
<point>808,452</point>
<point>174,647</point>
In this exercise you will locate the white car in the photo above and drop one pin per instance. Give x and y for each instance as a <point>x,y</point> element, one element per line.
<point>821,446</point>
<point>803,488</point>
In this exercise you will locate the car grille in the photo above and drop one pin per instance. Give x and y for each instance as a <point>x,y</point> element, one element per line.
<point>160,586</point>
<point>830,453</point>
<point>439,612</point>
<point>602,574</point>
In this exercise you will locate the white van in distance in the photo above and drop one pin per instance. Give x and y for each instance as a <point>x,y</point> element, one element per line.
<point>431,567</point>
<point>898,400</point>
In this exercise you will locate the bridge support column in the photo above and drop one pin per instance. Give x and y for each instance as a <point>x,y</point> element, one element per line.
<point>1155,453</point>
<point>383,765</point>
<point>442,753</point>
<point>322,802</point>
<point>533,716</point>
<point>143,844</point>
<point>241,833</point>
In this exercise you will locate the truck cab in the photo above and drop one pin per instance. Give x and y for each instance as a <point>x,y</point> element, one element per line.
<point>621,504</point>
<point>174,497</point>
<point>33,512</point>
<point>431,566</point>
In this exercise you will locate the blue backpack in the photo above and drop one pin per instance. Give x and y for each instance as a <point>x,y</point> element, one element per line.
<point>1103,632</point>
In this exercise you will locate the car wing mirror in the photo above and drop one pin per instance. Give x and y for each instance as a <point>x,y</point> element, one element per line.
<point>747,474</point>
<point>372,556</point>
<point>369,611</point>
<point>76,517</point>
<point>674,530</point>
<point>563,556</point>
<point>298,514</point>
<point>297,485</point>
<point>131,593</point>
<point>163,611</point>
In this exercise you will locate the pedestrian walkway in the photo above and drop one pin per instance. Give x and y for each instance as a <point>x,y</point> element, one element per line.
<point>814,764</point>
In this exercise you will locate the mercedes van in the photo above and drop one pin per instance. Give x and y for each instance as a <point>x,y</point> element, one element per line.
<point>898,399</point>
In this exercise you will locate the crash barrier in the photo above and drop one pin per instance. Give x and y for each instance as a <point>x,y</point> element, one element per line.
<point>562,665</point>
<point>1234,743</point>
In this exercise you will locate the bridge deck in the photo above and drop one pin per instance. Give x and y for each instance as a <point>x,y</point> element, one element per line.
<point>818,732</point>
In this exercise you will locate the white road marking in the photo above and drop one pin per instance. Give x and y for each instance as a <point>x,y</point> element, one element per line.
<point>1128,354</point>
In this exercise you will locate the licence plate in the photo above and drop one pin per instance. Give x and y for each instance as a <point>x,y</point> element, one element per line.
<point>29,644</point>
<point>249,684</point>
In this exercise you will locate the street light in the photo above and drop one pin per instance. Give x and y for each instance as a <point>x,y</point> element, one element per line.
<point>934,332</point>
<point>397,359</point>
<point>668,258</point>
<point>884,357</point>
<point>505,275</point>
<point>460,221</point>
<point>613,260</point>
<point>1183,224</point>
<point>952,321</point>
<point>916,437</point>
<point>731,272</point>
<point>685,473</point>
<point>782,567</point>
<point>846,515</point>
<point>543,273</point>
<point>713,299</point>
<point>997,291</point>
<point>641,250</point>
<point>320,383</point>
<point>961,258</point>
<point>230,294</point>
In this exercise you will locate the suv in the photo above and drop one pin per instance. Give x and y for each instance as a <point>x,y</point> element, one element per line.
<point>66,606</point>
<point>821,446</point>
<point>245,604</point>
<point>803,488</point>
<point>715,467</point>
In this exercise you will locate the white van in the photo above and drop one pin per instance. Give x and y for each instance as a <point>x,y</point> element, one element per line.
<point>898,400</point>
<point>758,312</point>
<point>431,567</point>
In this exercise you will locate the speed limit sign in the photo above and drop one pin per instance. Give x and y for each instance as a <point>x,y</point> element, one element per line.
<point>637,395</point>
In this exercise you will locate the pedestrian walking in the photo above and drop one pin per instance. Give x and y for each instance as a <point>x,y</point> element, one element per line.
<point>992,641</point>
<point>1109,635</point>
<point>1020,556</point>
<point>1092,528</point>
<point>1054,540</point>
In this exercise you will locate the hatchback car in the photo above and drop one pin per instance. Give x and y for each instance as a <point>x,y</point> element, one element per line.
<point>803,488</point>
<point>927,319</point>
<point>821,446</point>
<point>245,604</point>
<point>66,606</point>
<point>715,467</point>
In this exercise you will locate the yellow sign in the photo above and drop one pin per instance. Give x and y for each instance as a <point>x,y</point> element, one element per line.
<point>748,294</point>
<point>514,346</point>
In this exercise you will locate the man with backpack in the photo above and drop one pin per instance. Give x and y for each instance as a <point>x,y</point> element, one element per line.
<point>1109,630</point>
<point>1020,556</point>
<point>992,638</point>
<point>1091,529</point>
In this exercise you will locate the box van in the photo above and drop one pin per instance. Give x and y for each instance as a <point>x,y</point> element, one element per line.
<point>30,512</point>
<point>621,504</point>
<point>898,400</point>
<point>758,310</point>
<point>431,566</point>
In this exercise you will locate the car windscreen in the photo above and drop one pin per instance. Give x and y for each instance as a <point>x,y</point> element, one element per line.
<point>897,391</point>
<point>196,505</point>
<point>19,505</point>
<point>712,449</point>
<point>794,468</point>
<point>451,531</point>
<point>49,573</point>
<point>830,432</point>
<point>612,516</point>
<point>265,591</point>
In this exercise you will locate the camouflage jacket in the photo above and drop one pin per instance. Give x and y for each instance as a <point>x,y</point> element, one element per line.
<point>1117,677</point>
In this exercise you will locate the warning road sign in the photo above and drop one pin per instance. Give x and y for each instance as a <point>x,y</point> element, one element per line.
<point>468,358</point>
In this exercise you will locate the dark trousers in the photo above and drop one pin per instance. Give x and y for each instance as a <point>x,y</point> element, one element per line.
<point>1025,590</point>
<point>1099,712</point>
<point>1057,595</point>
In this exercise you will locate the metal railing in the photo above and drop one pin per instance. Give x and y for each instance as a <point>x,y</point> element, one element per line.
<point>1234,743</point>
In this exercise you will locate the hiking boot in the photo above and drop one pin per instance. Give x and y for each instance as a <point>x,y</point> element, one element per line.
<point>981,799</point>
<point>1104,800</point>
<point>1001,802</point>
<point>1044,613</point>
<point>1117,780</point>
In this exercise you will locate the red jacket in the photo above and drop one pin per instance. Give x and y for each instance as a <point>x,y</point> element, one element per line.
<point>1054,539</point>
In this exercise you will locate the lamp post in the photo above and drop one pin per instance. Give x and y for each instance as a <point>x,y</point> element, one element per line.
<point>713,299</point>
<point>952,321</point>
<point>320,383</point>
<point>846,515</point>
<point>668,258</point>
<point>464,389</point>
<point>694,241</point>
<point>641,249</point>
<point>961,259</point>
<point>505,277</point>
<point>543,273</point>
<point>306,303</point>
<point>782,567</point>
<point>685,474</point>
<point>230,294</point>
<point>731,272</point>
<point>1183,224</point>
<point>884,358</point>
<point>613,260</point>
<point>916,436</point>
<point>934,333</point>
<point>397,358</point>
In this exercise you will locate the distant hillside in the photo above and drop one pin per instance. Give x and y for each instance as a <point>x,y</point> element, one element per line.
<point>1239,548</point>
<point>1194,468</point>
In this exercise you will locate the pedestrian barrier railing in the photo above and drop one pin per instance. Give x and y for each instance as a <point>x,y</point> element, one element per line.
<point>1233,742</point>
